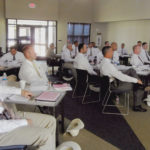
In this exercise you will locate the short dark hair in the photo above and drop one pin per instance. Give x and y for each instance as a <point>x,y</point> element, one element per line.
<point>75,42</point>
<point>105,49</point>
<point>80,46</point>
<point>139,41</point>
<point>106,42</point>
<point>144,43</point>
<point>14,47</point>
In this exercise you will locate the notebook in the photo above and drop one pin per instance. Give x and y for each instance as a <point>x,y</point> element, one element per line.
<point>62,87</point>
<point>48,96</point>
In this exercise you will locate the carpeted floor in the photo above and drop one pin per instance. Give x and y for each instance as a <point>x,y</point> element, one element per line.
<point>116,130</point>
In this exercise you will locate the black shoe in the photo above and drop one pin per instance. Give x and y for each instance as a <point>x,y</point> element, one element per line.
<point>139,109</point>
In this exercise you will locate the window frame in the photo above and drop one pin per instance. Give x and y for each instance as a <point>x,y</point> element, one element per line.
<point>34,26</point>
<point>82,36</point>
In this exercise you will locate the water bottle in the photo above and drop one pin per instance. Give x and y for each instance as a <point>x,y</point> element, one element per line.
<point>4,79</point>
<point>117,100</point>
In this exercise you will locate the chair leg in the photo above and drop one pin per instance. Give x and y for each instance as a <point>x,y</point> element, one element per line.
<point>126,106</point>
<point>83,100</point>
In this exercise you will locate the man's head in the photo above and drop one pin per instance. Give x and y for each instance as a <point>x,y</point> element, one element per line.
<point>145,46</point>
<point>107,52</point>
<point>122,45</point>
<point>76,43</point>
<point>106,43</point>
<point>29,52</point>
<point>114,46</point>
<point>139,43</point>
<point>136,49</point>
<point>69,46</point>
<point>13,50</point>
<point>93,44</point>
<point>82,48</point>
<point>90,45</point>
<point>52,46</point>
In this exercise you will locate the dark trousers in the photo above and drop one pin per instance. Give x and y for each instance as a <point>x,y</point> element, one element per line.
<point>138,91</point>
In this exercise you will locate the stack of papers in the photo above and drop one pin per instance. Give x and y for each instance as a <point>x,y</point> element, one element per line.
<point>48,96</point>
<point>62,87</point>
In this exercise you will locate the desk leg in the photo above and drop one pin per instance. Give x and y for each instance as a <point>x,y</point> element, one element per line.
<point>62,117</point>
<point>57,127</point>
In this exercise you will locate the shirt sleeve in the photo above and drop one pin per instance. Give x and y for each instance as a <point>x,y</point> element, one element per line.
<point>122,77</point>
<point>9,125</point>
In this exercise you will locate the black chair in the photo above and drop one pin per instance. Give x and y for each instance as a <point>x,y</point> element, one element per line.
<point>15,147</point>
<point>82,86</point>
<point>106,92</point>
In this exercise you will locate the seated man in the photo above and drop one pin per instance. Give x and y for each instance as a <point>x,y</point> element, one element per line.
<point>144,53</point>
<point>122,51</point>
<point>81,61</point>
<point>75,48</point>
<point>24,128</point>
<point>136,59</point>
<point>68,58</point>
<point>115,58</point>
<point>51,51</point>
<point>126,81</point>
<point>12,56</point>
<point>30,71</point>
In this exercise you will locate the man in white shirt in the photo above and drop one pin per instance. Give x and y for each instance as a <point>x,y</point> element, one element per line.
<point>126,81</point>
<point>24,128</point>
<point>139,43</point>
<point>68,58</point>
<point>30,71</point>
<point>122,51</point>
<point>115,58</point>
<point>136,60</point>
<point>144,53</point>
<point>81,61</point>
<point>12,57</point>
<point>106,43</point>
<point>75,48</point>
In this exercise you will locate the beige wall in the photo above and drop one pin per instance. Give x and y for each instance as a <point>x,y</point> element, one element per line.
<point>2,27</point>
<point>119,10</point>
<point>63,11</point>
<point>128,32</point>
<point>45,9</point>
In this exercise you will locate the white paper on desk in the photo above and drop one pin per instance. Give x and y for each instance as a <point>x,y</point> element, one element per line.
<point>62,87</point>
<point>38,86</point>
<point>17,98</point>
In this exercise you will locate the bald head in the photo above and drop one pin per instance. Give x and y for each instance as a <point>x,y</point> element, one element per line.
<point>29,52</point>
<point>114,46</point>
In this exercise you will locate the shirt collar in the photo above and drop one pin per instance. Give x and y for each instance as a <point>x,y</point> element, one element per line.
<point>107,59</point>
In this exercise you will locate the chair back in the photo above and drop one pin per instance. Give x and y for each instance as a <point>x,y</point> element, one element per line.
<point>105,85</point>
<point>82,78</point>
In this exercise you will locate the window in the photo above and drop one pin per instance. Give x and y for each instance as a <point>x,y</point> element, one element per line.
<point>79,32</point>
<point>39,33</point>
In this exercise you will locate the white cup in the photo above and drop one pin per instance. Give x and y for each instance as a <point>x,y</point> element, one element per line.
<point>22,84</point>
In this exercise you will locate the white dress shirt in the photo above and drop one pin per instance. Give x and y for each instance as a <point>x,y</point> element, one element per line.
<point>9,125</point>
<point>136,60</point>
<point>92,52</point>
<point>122,51</point>
<point>75,50</point>
<point>30,74</point>
<point>81,62</point>
<point>108,69</point>
<point>99,57</point>
<point>144,56</point>
<point>67,55</point>
<point>115,58</point>
<point>8,57</point>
